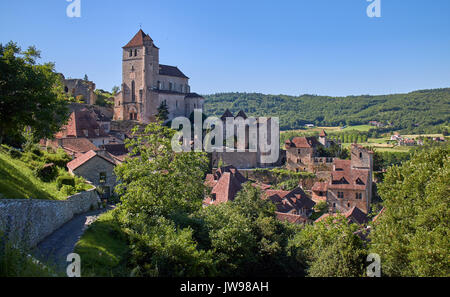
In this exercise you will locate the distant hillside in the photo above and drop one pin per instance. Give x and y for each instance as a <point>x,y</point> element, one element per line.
<point>422,111</point>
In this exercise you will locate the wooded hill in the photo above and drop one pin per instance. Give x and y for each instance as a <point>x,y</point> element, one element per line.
<point>425,111</point>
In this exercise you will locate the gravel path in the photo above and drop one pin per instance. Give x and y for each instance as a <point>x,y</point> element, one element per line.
<point>55,248</point>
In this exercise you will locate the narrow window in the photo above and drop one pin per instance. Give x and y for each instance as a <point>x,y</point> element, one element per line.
<point>133,91</point>
<point>135,52</point>
<point>102,178</point>
<point>131,53</point>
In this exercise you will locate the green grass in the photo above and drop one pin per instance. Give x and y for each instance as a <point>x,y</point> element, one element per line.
<point>17,181</point>
<point>103,249</point>
<point>361,128</point>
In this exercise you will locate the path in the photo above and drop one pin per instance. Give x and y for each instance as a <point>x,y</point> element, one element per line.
<point>55,248</point>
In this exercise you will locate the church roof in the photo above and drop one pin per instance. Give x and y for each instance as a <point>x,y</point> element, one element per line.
<point>193,95</point>
<point>171,71</point>
<point>138,39</point>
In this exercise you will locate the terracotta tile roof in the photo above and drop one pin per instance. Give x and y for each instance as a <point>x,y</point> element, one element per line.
<point>75,146</point>
<point>320,187</point>
<point>82,123</point>
<point>291,218</point>
<point>302,142</point>
<point>171,71</point>
<point>354,215</point>
<point>74,164</point>
<point>225,183</point>
<point>288,202</point>
<point>138,39</point>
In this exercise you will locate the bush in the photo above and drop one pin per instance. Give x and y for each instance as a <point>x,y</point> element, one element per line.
<point>60,158</point>
<point>14,153</point>
<point>68,190</point>
<point>46,173</point>
<point>65,180</point>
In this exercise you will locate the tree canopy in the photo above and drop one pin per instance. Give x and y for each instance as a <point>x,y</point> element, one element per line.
<point>30,94</point>
<point>412,234</point>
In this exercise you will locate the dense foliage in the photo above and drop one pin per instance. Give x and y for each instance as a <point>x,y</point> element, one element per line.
<point>423,111</point>
<point>30,95</point>
<point>412,235</point>
<point>330,248</point>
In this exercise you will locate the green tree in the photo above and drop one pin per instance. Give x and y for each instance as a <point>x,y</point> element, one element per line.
<point>30,94</point>
<point>86,78</point>
<point>330,248</point>
<point>412,234</point>
<point>163,112</point>
<point>115,90</point>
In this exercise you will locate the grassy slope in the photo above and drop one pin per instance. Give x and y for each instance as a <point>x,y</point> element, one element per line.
<point>17,181</point>
<point>103,249</point>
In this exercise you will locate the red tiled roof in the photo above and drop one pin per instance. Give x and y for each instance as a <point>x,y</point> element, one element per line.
<point>320,187</point>
<point>138,39</point>
<point>302,142</point>
<point>291,218</point>
<point>225,183</point>
<point>82,123</point>
<point>74,164</point>
<point>287,202</point>
<point>354,215</point>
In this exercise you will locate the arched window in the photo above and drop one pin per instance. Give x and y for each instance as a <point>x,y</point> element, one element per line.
<point>133,91</point>
<point>135,52</point>
<point>131,52</point>
<point>66,89</point>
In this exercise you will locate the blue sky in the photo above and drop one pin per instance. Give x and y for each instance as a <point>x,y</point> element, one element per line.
<point>325,47</point>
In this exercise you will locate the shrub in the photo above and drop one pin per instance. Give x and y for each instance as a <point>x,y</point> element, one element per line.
<point>60,158</point>
<point>68,190</point>
<point>46,173</point>
<point>65,180</point>
<point>14,153</point>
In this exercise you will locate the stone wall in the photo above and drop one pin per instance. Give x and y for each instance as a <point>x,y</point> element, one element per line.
<point>29,221</point>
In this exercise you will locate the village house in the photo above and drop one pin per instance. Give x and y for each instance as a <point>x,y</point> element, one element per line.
<point>147,85</point>
<point>302,153</point>
<point>292,206</point>
<point>225,182</point>
<point>353,215</point>
<point>292,203</point>
<point>96,167</point>
<point>350,183</point>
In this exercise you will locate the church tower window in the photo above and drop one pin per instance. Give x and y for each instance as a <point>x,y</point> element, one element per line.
<point>135,52</point>
<point>133,91</point>
<point>131,53</point>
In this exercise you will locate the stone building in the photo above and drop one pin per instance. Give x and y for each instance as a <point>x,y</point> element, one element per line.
<point>241,155</point>
<point>350,184</point>
<point>80,88</point>
<point>96,167</point>
<point>147,84</point>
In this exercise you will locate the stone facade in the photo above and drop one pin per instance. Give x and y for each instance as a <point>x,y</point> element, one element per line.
<point>30,221</point>
<point>351,182</point>
<point>80,87</point>
<point>146,84</point>
<point>97,169</point>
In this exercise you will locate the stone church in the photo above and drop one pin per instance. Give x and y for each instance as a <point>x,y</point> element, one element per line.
<point>146,84</point>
